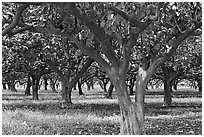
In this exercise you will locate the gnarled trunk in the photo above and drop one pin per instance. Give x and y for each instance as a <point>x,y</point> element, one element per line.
<point>132,114</point>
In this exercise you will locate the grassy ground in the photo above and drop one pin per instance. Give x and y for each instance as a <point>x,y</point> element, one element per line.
<point>93,114</point>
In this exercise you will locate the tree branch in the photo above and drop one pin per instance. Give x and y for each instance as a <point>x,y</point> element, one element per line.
<point>98,32</point>
<point>16,19</point>
<point>133,21</point>
<point>88,63</point>
<point>91,53</point>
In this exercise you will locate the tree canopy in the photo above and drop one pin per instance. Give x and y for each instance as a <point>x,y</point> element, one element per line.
<point>112,34</point>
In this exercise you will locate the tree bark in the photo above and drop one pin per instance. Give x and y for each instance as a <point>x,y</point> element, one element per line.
<point>28,86</point>
<point>132,114</point>
<point>110,91</point>
<point>35,87</point>
<point>66,93</point>
<point>79,88</point>
<point>167,94</point>
<point>11,86</point>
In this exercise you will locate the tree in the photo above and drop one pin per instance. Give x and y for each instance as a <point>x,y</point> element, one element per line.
<point>11,70</point>
<point>99,29</point>
<point>132,115</point>
<point>67,62</point>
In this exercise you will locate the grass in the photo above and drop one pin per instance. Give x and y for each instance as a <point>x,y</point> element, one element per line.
<point>93,114</point>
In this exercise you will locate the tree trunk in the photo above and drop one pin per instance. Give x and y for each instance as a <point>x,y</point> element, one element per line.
<point>4,85</point>
<point>110,91</point>
<point>104,87</point>
<point>35,87</point>
<point>92,84</point>
<point>79,88</point>
<point>52,84</point>
<point>66,93</point>
<point>175,84</point>
<point>46,83</point>
<point>199,84</point>
<point>88,86</point>
<point>132,114</point>
<point>131,92</point>
<point>11,86</point>
<point>28,86</point>
<point>167,94</point>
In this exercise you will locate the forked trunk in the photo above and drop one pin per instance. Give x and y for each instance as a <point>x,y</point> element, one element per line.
<point>11,87</point>
<point>132,121</point>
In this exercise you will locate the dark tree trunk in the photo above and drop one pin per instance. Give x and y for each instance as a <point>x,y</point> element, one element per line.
<point>52,84</point>
<point>79,88</point>
<point>167,94</point>
<point>88,85</point>
<point>91,83</point>
<point>167,85</point>
<point>46,83</point>
<point>131,92</point>
<point>35,87</point>
<point>175,85</point>
<point>11,86</point>
<point>28,86</point>
<point>4,85</point>
<point>110,91</point>
<point>199,84</point>
<point>200,87</point>
<point>104,87</point>
<point>103,84</point>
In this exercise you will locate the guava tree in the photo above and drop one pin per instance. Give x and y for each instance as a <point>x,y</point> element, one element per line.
<point>64,58</point>
<point>100,29</point>
<point>11,66</point>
